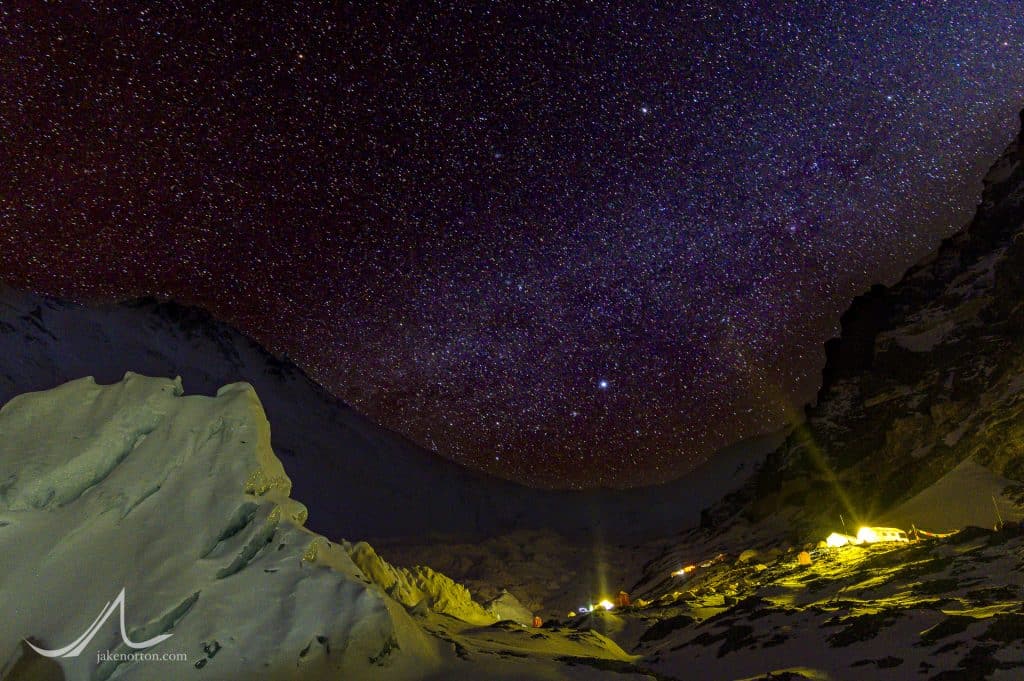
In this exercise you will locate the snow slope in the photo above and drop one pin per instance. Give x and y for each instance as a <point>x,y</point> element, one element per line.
<point>970,494</point>
<point>180,501</point>
<point>360,480</point>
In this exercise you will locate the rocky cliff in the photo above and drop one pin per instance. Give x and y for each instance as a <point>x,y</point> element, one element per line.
<point>925,374</point>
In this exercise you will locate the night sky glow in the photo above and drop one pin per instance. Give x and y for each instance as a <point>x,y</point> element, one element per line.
<point>570,244</point>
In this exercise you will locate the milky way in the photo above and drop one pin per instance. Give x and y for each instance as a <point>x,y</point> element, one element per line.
<point>568,244</point>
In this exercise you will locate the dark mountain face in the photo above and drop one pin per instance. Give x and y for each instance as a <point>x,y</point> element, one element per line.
<point>359,480</point>
<point>924,375</point>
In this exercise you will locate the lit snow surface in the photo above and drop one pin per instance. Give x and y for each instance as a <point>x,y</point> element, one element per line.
<point>180,501</point>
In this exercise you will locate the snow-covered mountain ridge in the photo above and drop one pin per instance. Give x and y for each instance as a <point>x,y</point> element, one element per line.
<point>360,480</point>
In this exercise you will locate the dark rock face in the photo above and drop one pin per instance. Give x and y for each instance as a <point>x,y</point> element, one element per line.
<point>924,374</point>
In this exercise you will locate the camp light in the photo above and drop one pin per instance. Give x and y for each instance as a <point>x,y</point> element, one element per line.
<point>835,540</point>
<point>867,535</point>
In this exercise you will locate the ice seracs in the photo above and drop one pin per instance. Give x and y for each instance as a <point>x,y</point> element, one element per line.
<point>175,508</point>
<point>179,501</point>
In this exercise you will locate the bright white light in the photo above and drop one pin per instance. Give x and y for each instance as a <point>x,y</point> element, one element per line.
<point>602,384</point>
<point>835,539</point>
<point>606,604</point>
<point>867,535</point>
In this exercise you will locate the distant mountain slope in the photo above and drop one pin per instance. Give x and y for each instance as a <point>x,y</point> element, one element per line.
<point>358,479</point>
<point>924,375</point>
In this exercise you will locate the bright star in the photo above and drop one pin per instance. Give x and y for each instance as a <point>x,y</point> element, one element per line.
<point>602,384</point>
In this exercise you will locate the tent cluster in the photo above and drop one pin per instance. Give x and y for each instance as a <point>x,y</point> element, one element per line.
<point>621,601</point>
<point>872,535</point>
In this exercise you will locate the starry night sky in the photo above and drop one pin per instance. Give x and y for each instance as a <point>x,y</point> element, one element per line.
<point>571,244</point>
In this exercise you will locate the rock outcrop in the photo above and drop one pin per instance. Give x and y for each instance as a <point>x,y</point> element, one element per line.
<point>925,374</point>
